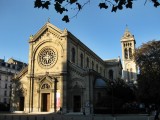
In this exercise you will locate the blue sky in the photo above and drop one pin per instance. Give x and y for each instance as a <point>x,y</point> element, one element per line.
<point>101,30</point>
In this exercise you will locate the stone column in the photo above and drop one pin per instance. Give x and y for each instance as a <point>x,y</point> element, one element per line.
<point>55,93</point>
<point>64,93</point>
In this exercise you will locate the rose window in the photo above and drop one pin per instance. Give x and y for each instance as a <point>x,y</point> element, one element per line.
<point>47,57</point>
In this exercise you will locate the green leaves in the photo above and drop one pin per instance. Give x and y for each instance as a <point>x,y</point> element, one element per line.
<point>65,18</point>
<point>147,57</point>
<point>46,4</point>
<point>72,1</point>
<point>156,3</point>
<point>68,6</point>
<point>114,8</point>
<point>38,3</point>
<point>43,4</point>
<point>129,4</point>
<point>79,6</point>
<point>59,8</point>
<point>103,5</point>
<point>116,5</point>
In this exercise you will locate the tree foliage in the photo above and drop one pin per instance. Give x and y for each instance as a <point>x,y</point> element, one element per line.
<point>121,90</point>
<point>64,6</point>
<point>147,58</point>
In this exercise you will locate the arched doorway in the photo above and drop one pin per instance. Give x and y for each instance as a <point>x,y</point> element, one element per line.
<point>45,97</point>
<point>77,103</point>
<point>45,102</point>
<point>21,103</point>
<point>77,96</point>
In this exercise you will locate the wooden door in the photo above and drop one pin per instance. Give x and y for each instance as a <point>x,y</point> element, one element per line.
<point>77,103</point>
<point>45,102</point>
<point>48,102</point>
<point>21,103</point>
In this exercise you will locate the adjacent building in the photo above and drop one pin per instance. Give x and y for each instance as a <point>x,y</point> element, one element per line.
<point>7,71</point>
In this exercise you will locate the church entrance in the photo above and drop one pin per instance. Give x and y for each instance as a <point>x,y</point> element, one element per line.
<point>77,103</point>
<point>21,103</point>
<point>45,102</point>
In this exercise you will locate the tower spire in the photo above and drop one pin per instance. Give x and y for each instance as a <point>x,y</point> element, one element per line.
<point>128,48</point>
<point>48,20</point>
<point>127,30</point>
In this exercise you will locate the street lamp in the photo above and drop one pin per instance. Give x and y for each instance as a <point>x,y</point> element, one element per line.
<point>112,99</point>
<point>10,95</point>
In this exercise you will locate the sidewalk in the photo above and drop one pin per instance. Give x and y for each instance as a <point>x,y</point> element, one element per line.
<point>71,116</point>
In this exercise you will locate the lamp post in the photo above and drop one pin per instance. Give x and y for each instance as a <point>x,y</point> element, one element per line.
<point>10,98</point>
<point>112,99</point>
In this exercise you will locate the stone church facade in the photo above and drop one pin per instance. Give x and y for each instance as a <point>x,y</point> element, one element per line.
<point>62,73</point>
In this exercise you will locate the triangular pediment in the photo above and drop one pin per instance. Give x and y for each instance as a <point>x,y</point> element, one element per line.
<point>48,27</point>
<point>46,78</point>
<point>127,36</point>
<point>22,73</point>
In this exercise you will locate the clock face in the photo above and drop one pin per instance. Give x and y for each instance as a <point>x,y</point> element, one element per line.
<point>47,57</point>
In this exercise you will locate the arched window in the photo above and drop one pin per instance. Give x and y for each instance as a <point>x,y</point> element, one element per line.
<point>81,58</point>
<point>111,74</point>
<point>92,65</point>
<point>87,62</point>
<point>73,55</point>
<point>130,53</point>
<point>99,95</point>
<point>97,67</point>
<point>128,75</point>
<point>45,86</point>
<point>100,70</point>
<point>104,72</point>
<point>131,72</point>
<point>126,53</point>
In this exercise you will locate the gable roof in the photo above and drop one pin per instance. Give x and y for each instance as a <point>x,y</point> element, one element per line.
<point>47,26</point>
<point>116,61</point>
<point>21,73</point>
<point>127,36</point>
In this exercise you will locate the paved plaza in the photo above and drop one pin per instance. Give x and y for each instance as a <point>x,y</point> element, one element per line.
<point>51,116</point>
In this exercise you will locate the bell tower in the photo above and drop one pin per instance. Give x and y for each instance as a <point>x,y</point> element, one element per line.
<point>128,48</point>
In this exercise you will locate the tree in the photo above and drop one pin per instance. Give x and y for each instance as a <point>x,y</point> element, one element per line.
<point>122,91</point>
<point>65,6</point>
<point>147,57</point>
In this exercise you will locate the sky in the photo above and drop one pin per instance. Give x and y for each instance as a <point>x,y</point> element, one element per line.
<point>99,29</point>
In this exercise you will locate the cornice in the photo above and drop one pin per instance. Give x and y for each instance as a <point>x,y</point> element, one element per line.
<point>80,71</point>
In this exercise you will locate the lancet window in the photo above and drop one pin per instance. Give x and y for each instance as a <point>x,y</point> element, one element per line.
<point>45,86</point>
<point>73,55</point>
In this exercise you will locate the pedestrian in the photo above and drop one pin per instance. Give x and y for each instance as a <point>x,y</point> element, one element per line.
<point>84,111</point>
<point>156,117</point>
<point>60,110</point>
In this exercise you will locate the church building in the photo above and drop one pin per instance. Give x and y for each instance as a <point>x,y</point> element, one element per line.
<point>62,73</point>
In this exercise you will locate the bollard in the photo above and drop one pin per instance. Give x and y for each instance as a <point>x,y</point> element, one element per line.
<point>5,117</point>
<point>43,118</point>
<point>52,118</point>
<point>35,117</point>
<point>27,118</point>
<point>12,118</point>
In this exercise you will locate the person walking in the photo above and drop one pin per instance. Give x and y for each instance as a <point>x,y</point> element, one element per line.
<point>156,117</point>
<point>84,111</point>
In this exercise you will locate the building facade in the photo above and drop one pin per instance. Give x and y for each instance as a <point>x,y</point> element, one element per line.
<point>128,48</point>
<point>7,71</point>
<point>62,73</point>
